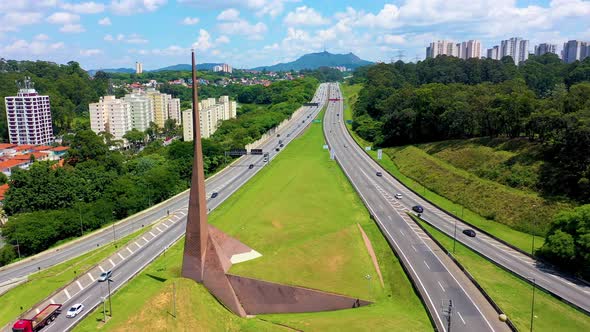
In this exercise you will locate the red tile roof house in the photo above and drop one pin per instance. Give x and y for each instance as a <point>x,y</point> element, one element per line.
<point>6,167</point>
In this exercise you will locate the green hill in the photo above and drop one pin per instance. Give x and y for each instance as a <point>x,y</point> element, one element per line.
<point>317,60</point>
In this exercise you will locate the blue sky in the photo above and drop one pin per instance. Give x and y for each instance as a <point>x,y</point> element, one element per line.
<point>248,33</point>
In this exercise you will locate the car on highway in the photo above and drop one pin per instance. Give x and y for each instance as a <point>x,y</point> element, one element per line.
<point>469,232</point>
<point>251,166</point>
<point>379,174</point>
<point>278,135</point>
<point>265,159</point>
<point>215,194</point>
<point>418,208</point>
<point>288,135</point>
<point>75,310</point>
<point>277,149</point>
<point>398,196</point>
<point>282,145</point>
<point>105,275</point>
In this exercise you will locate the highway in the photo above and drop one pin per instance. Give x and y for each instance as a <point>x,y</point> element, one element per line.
<point>436,277</point>
<point>566,287</point>
<point>173,228</point>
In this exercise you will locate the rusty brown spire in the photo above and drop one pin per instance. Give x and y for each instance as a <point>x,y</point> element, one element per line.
<point>195,245</point>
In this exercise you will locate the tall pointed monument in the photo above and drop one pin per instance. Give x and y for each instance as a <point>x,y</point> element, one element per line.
<point>209,254</point>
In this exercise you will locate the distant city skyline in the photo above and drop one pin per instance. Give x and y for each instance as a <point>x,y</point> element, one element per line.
<point>246,34</point>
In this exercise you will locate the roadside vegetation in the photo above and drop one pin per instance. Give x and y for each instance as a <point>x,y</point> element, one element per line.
<point>508,143</point>
<point>313,241</point>
<point>514,295</point>
<point>41,284</point>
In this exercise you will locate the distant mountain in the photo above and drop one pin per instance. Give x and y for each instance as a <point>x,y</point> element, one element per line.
<point>91,72</point>
<point>178,67</point>
<point>316,60</point>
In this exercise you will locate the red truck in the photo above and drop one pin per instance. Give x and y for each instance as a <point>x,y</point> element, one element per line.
<point>37,322</point>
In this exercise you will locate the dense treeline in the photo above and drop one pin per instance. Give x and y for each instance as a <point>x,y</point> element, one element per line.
<point>69,87</point>
<point>97,185</point>
<point>324,74</point>
<point>448,98</point>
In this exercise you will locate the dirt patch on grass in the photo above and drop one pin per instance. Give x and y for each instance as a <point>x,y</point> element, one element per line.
<point>371,253</point>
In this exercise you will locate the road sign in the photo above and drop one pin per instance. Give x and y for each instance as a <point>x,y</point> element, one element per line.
<point>317,121</point>
<point>367,148</point>
<point>238,152</point>
<point>325,146</point>
<point>349,121</point>
<point>256,151</point>
<point>379,154</point>
<point>332,154</point>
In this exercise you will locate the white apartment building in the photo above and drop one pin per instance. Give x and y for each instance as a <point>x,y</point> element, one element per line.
<point>110,115</point>
<point>469,49</point>
<point>174,110</point>
<point>138,68</point>
<point>160,102</point>
<point>575,50</point>
<point>545,48</point>
<point>211,113</point>
<point>494,53</point>
<point>28,116</point>
<point>142,110</point>
<point>224,67</point>
<point>515,47</point>
<point>441,47</point>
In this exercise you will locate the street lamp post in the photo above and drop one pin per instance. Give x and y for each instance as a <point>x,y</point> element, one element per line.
<point>110,300</point>
<point>533,304</point>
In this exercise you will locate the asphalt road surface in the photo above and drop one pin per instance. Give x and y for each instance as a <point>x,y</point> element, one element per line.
<point>225,184</point>
<point>436,277</point>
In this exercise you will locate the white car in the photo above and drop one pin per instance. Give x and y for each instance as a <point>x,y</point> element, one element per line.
<point>75,310</point>
<point>398,196</point>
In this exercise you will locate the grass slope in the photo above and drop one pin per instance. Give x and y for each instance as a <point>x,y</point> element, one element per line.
<point>514,295</point>
<point>42,284</point>
<point>300,212</point>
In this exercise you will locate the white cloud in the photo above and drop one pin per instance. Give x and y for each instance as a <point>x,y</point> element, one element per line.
<point>305,16</point>
<point>84,8</point>
<point>130,39</point>
<point>190,20</point>
<point>243,27</point>
<point>230,14</point>
<point>130,7</point>
<point>391,39</point>
<point>63,18</point>
<point>90,52</point>
<point>11,21</point>
<point>23,48</point>
<point>11,5</point>
<point>41,36</point>
<point>203,43</point>
<point>104,21</point>
<point>72,28</point>
<point>222,40</point>
<point>272,8</point>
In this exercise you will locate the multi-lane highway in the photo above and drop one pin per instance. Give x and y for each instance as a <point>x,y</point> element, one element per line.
<point>172,229</point>
<point>544,276</point>
<point>436,277</point>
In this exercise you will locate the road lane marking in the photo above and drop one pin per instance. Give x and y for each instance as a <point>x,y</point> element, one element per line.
<point>441,286</point>
<point>164,224</point>
<point>101,269</point>
<point>458,313</point>
<point>121,256</point>
<point>152,234</point>
<point>129,249</point>
<point>90,276</point>
<point>113,263</point>
<point>426,265</point>
<point>158,228</point>
<point>404,234</point>
<point>414,248</point>
<point>79,284</point>
<point>67,293</point>
<point>137,244</point>
<point>146,240</point>
<point>52,301</point>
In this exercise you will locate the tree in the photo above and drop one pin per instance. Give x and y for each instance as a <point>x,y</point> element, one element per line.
<point>135,137</point>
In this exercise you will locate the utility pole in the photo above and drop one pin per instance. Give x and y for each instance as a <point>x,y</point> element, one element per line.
<point>400,55</point>
<point>455,235</point>
<point>174,300</point>
<point>17,246</point>
<point>110,300</point>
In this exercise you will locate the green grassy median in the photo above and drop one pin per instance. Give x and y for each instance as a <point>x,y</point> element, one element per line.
<point>513,295</point>
<point>301,214</point>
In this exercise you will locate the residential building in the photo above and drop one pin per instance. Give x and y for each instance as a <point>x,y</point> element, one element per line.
<point>442,47</point>
<point>211,113</point>
<point>174,110</point>
<point>469,49</point>
<point>138,68</point>
<point>28,115</point>
<point>575,50</point>
<point>544,48</point>
<point>142,109</point>
<point>111,115</point>
<point>160,102</point>
<point>494,53</point>
<point>224,67</point>
<point>515,47</point>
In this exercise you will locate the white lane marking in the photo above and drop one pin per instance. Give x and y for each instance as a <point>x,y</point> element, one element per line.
<point>86,298</point>
<point>79,284</point>
<point>458,313</point>
<point>441,286</point>
<point>52,301</point>
<point>426,265</point>
<point>164,224</point>
<point>152,234</point>
<point>112,263</point>
<point>146,240</point>
<point>129,249</point>
<point>137,244</point>
<point>90,276</point>
<point>414,248</point>
<point>101,269</point>
<point>404,234</point>
<point>120,255</point>
<point>158,228</point>
<point>67,293</point>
